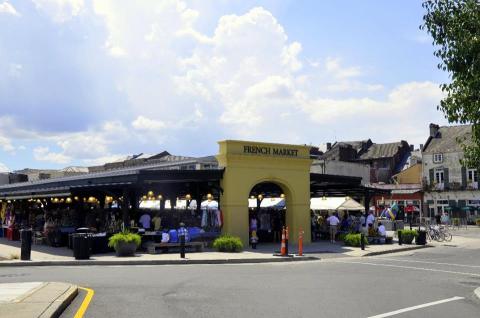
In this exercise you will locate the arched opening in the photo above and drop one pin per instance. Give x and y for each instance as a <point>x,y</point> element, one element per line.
<point>267,212</point>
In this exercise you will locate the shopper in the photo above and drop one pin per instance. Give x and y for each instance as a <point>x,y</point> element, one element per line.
<point>333,221</point>
<point>370,218</point>
<point>183,231</point>
<point>157,222</point>
<point>145,221</point>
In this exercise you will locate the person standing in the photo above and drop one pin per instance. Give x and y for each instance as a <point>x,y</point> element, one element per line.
<point>333,221</point>
<point>370,219</point>
<point>157,222</point>
<point>145,221</point>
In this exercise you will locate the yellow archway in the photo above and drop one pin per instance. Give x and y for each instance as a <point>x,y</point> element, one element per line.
<point>249,163</point>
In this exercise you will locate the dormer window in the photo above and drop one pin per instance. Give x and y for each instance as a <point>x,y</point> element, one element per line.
<point>437,158</point>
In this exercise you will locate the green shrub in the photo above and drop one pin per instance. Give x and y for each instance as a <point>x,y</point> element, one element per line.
<point>341,236</point>
<point>226,243</point>
<point>126,237</point>
<point>408,235</point>
<point>456,222</point>
<point>477,222</point>
<point>352,239</point>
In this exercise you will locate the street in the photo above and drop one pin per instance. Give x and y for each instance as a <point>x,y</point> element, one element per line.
<point>335,287</point>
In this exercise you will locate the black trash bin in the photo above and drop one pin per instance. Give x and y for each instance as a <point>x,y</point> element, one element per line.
<point>26,247</point>
<point>81,245</point>
<point>421,237</point>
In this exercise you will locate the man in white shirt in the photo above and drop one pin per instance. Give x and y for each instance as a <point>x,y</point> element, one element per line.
<point>381,230</point>
<point>145,221</point>
<point>333,221</point>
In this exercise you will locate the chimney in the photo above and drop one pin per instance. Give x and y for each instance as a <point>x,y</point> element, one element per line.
<point>329,146</point>
<point>433,130</point>
<point>421,147</point>
<point>412,148</point>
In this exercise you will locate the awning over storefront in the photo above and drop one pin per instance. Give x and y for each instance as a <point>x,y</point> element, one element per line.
<point>272,203</point>
<point>338,204</point>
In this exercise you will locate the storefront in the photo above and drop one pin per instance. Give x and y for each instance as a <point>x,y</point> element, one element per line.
<point>210,201</point>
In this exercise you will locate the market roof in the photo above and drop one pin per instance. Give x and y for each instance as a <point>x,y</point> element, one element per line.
<point>341,186</point>
<point>447,139</point>
<point>387,150</point>
<point>119,178</point>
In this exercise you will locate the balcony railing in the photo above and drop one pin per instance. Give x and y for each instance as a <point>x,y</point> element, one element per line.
<point>439,186</point>
<point>472,185</point>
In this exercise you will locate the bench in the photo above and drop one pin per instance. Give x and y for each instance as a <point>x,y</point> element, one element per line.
<point>152,246</point>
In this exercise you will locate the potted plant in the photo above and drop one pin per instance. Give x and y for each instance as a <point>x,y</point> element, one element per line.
<point>408,236</point>
<point>125,243</point>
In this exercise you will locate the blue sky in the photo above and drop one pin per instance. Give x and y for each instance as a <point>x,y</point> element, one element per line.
<point>83,82</point>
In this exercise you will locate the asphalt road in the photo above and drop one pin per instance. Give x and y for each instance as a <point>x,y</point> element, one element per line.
<point>337,287</point>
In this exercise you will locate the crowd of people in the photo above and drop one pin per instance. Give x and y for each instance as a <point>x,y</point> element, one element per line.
<point>329,225</point>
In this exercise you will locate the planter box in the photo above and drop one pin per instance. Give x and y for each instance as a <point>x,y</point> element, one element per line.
<point>125,249</point>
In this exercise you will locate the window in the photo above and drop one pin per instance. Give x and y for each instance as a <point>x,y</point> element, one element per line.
<point>439,176</point>
<point>472,175</point>
<point>442,202</point>
<point>437,157</point>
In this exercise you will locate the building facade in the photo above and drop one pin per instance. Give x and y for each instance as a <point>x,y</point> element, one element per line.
<point>449,186</point>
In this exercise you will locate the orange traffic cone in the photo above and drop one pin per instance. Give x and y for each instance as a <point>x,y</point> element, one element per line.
<point>283,248</point>
<point>286,240</point>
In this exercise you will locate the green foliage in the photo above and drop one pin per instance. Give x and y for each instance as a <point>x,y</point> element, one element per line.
<point>477,222</point>
<point>126,237</point>
<point>408,235</point>
<point>456,221</point>
<point>341,236</point>
<point>228,243</point>
<point>353,239</point>
<point>455,28</point>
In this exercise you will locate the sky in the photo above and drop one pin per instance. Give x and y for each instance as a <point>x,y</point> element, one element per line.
<point>84,82</point>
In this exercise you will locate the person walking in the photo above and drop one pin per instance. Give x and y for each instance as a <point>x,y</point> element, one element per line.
<point>333,221</point>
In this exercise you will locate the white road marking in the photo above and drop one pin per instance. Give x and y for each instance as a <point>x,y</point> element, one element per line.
<point>400,311</point>
<point>425,262</point>
<point>411,267</point>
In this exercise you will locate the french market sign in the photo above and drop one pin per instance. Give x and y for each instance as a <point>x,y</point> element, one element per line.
<point>270,151</point>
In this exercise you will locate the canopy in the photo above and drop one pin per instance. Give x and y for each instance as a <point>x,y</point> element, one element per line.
<point>333,203</point>
<point>272,203</point>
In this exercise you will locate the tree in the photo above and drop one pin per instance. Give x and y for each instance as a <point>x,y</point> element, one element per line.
<point>455,28</point>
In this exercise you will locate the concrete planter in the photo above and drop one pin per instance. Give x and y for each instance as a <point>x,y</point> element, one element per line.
<point>125,249</point>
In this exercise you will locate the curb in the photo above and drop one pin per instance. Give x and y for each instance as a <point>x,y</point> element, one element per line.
<point>405,249</point>
<point>61,303</point>
<point>159,262</point>
<point>477,292</point>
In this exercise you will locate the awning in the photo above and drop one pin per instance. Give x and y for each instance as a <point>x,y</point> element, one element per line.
<point>335,203</point>
<point>272,203</point>
<point>406,191</point>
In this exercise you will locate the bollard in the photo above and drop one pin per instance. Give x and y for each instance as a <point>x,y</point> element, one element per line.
<point>300,243</point>
<point>182,246</point>
<point>399,237</point>
<point>286,240</point>
<point>26,247</point>
<point>362,241</point>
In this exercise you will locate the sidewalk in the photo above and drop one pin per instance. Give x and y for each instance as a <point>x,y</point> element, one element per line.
<point>35,299</point>
<point>52,256</point>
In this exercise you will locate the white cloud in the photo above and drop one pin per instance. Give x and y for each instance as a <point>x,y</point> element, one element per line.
<point>4,168</point>
<point>44,154</point>
<point>146,124</point>
<point>334,67</point>
<point>403,114</point>
<point>6,144</point>
<point>7,8</point>
<point>60,10</point>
